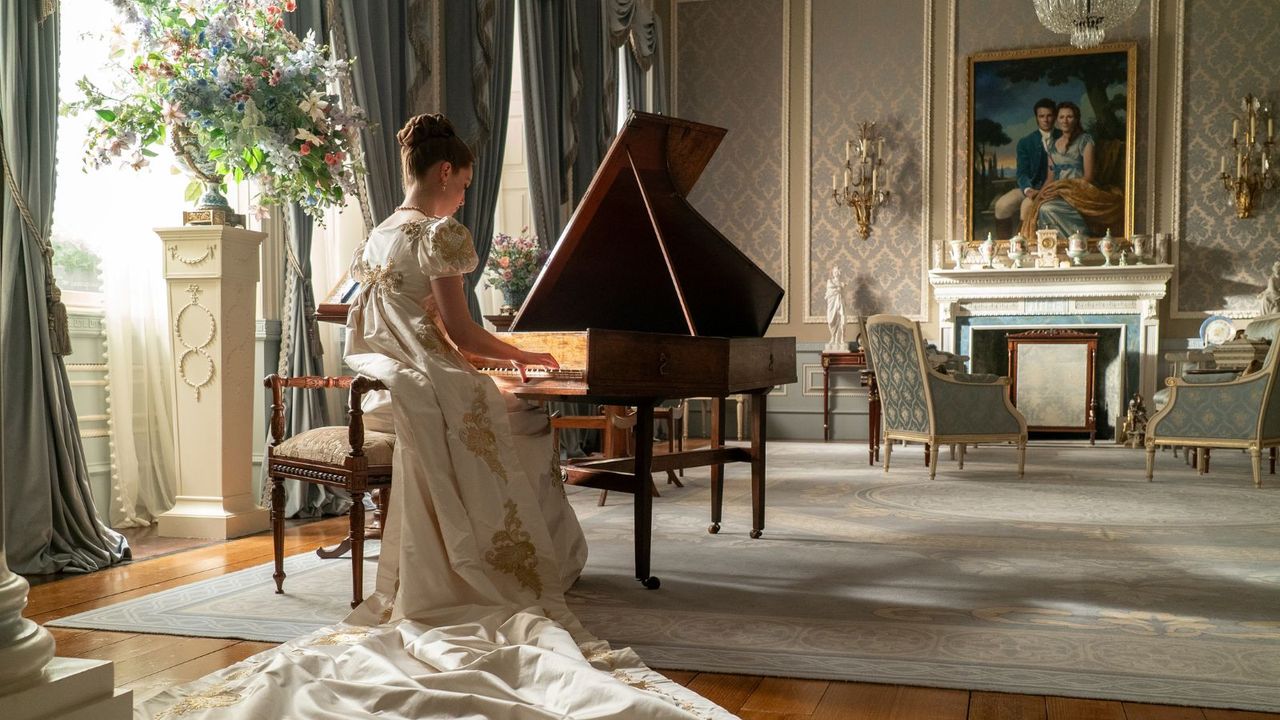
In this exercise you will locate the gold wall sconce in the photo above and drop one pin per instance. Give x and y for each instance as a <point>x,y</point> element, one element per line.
<point>1253,171</point>
<point>866,194</point>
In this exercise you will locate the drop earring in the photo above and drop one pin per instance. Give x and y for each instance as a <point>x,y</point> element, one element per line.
<point>444,185</point>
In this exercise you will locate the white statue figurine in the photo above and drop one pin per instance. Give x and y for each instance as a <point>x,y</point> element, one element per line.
<point>835,312</point>
<point>1271,296</point>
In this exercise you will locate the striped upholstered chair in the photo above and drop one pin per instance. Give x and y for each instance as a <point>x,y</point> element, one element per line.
<point>1240,413</point>
<point>920,404</point>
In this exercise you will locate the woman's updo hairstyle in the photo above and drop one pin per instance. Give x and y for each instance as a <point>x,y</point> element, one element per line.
<point>426,140</point>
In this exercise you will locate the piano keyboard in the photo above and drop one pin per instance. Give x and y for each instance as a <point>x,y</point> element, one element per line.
<point>535,373</point>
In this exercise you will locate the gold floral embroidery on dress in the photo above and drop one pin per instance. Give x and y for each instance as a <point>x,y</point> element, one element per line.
<point>217,696</point>
<point>342,637</point>
<point>514,553</point>
<point>429,335</point>
<point>557,476</point>
<point>415,231</point>
<point>640,683</point>
<point>451,244</point>
<point>478,436</point>
<point>382,276</point>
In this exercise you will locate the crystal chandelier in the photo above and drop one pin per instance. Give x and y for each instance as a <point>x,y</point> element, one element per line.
<point>1085,20</point>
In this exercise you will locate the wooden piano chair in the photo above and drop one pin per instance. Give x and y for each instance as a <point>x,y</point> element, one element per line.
<point>617,424</point>
<point>339,456</point>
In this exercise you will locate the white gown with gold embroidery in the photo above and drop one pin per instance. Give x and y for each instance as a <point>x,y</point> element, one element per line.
<point>468,619</point>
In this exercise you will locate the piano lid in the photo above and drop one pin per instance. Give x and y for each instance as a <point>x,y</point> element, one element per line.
<point>636,256</point>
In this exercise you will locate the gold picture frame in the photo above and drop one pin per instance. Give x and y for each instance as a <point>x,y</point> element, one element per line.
<point>1004,87</point>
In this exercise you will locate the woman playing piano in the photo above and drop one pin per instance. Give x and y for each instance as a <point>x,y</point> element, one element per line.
<point>468,618</point>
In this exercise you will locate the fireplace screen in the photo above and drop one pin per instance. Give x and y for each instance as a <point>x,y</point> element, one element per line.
<point>1052,380</point>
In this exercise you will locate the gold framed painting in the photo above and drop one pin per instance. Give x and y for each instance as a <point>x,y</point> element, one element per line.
<point>1051,141</point>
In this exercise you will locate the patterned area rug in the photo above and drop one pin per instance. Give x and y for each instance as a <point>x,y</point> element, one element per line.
<point>1081,579</point>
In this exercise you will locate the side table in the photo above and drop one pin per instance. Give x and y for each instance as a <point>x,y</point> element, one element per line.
<point>837,361</point>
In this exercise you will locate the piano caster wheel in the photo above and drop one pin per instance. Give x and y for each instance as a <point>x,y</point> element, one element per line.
<point>651,583</point>
<point>713,528</point>
<point>755,534</point>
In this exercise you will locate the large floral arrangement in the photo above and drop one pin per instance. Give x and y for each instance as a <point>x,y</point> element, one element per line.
<point>514,263</point>
<point>232,92</point>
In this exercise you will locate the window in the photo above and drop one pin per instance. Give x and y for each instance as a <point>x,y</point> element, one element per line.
<point>109,210</point>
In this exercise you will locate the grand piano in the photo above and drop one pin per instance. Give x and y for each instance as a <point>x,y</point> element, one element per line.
<point>642,300</point>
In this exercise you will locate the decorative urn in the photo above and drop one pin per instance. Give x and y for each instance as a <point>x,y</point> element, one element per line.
<point>1141,247</point>
<point>1077,247</point>
<point>988,251</point>
<point>1017,249</point>
<point>957,252</point>
<point>1107,246</point>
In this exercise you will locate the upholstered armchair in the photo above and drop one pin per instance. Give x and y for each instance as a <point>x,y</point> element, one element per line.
<point>1240,413</point>
<point>920,404</point>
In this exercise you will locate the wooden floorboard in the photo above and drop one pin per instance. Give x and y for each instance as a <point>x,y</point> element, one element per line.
<point>148,664</point>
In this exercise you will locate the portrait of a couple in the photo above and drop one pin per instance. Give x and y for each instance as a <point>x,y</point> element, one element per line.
<point>1067,119</point>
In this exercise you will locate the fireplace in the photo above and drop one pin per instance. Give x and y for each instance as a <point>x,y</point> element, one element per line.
<point>978,308</point>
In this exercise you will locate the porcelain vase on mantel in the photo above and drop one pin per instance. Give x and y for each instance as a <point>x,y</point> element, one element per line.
<point>212,276</point>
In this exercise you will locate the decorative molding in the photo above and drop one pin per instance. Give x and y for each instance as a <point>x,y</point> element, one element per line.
<point>926,164</point>
<point>208,255</point>
<point>951,121</point>
<point>198,349</point>
<point>784,312</point>
<point>808,165</point>
<point>1180,146</point>
<point>1153,116</point>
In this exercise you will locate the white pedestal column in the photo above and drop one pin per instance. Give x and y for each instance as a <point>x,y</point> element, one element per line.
<point>212,274</point>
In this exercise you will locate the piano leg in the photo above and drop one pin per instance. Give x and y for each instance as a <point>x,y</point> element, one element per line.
<point>717,471</point>
<point>758,407</point>
<point>643,495</point>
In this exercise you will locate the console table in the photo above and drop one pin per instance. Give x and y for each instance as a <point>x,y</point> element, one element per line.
<point>835,362</point>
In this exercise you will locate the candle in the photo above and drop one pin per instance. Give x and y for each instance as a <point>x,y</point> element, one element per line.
<point>835,182</point>
<point>873,180</point>
<point>1222,168</point>
<point>1270,128</point>
<point>848,145</point>
<point>1235,128</point>
<point>1253,126</point>
<point>846,177</point>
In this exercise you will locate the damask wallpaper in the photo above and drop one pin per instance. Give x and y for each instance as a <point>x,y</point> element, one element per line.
<point>730,71</point>
<point>867,65</point>
<point>1231,49</point>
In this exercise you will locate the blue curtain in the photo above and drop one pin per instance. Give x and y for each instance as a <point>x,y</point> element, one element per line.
<point>552,94</point>
<point>478,52</point>
<point>376,37</point>
<point>50,524</point>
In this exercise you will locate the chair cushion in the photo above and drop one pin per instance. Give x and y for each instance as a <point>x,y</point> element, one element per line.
<point>975,377</point>
<point>331,445</point>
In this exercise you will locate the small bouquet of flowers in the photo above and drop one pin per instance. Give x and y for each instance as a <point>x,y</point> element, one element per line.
<point>513,265</point>
<point>233,93</point>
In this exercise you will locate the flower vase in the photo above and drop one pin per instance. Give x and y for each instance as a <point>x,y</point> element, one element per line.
<point>212,207</point>
<point>1107,246</point>
<point>513,299</point>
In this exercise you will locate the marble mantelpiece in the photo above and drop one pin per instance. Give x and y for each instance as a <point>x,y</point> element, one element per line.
<point>1069,293</point>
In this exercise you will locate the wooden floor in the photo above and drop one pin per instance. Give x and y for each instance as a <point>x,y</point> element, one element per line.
<point>148,662</point>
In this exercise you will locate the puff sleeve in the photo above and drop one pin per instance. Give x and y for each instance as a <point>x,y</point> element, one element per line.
<point>447,249</point>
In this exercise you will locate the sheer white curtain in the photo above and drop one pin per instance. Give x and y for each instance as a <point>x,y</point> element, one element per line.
<point>113,211</point>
